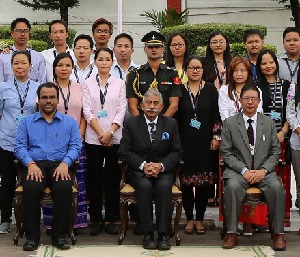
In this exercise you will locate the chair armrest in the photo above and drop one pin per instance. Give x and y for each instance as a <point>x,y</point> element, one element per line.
<point>74,169</point>
<point>177,173</point>
<point>123,168</point>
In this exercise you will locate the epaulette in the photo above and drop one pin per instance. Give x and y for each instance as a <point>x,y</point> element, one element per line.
<point>171,68</point>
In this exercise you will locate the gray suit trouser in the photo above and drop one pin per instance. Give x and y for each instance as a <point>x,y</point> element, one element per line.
<point>235,192</point>
<point>296,168</point>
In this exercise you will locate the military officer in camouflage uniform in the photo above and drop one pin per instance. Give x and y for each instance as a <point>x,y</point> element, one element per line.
<point>153,74</point>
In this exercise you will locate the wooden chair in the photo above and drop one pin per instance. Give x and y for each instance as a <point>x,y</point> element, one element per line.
<point>254,196</point>
<point>127,195</point>
<point>46,199</point>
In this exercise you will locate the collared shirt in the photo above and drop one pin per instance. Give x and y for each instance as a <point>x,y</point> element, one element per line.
<point>117,71</point>
<point>293,117</point>
<point>37,72</point>
<point>253,68</point>
<point>288,69</point>
<point>115,106</point>
<point>10,109</point>
<point>58,140</point>
<point>149,128</point>
<point>79,76</point>
<point>49,56</point>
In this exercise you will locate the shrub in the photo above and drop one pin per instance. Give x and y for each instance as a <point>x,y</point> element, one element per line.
<point>198,34</point>
<point>36,45</point>
<point>236,49</point>
<point>38,32</point>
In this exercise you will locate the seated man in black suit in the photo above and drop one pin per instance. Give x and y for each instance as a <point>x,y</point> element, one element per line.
<point>47,144</point>
<point>151,147</point>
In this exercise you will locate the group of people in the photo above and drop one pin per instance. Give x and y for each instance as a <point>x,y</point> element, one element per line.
<point>93,103</point>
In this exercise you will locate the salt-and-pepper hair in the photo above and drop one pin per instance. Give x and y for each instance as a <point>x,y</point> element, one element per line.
<point>154,92</point>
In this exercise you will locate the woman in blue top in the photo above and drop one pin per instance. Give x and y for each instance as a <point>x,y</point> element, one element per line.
<point>17,100</point>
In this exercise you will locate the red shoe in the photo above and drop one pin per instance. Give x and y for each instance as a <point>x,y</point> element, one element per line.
<point>279,242</point>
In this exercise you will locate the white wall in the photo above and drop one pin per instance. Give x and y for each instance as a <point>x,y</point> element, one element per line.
<point>268,13</point>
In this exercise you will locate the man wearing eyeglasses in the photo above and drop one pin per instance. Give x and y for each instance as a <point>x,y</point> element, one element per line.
<point>153,74</point>
<point>20,33</point>
<point>102,30</point>
<point>251,150</point>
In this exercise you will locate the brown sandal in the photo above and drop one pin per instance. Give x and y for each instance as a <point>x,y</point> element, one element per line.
<point>200,231</point>
<point>189,231</point>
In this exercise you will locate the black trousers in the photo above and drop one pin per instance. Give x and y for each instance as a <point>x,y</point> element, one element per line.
<point>199,201</point>
<point>144,187</point>
<point>103,180</point>
<point>62,198</point>
<point>8,183</point>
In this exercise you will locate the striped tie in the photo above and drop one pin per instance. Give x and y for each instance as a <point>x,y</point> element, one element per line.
<point>152,131</point>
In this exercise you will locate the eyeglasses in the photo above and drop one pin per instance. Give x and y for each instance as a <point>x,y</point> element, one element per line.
<point>100,31</point>
<point>247,99</point>
<point>179,45</point>
<point>21,31</point>
<point>221,42</point>
<point>196,68</point>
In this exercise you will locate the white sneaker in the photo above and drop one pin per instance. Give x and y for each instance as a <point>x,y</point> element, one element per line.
<point>5,228</point>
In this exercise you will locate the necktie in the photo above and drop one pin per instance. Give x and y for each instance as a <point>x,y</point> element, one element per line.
<point>251,140</point>
<point>250,132</point>
<point>152,131</point>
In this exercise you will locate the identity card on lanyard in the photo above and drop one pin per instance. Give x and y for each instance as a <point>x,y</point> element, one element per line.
<point>20,116</point>
<point>66,99</point>
<point>194,122</point>
<point>102,113</point>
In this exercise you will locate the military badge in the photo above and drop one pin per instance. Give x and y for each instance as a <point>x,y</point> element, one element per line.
<point>176,80</point>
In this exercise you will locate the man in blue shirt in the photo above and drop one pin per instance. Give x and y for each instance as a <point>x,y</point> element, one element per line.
<point>20,33</point>
<point>47,144</point>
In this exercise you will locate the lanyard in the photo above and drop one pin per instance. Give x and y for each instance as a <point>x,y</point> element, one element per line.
<point>273,93</point>
<point>87,76</point>
<point>120,72</point>
<point>237,105</point>
<point>220,76</point>
<point>292,73</point>
<point>194,100</point>
<point>55,53</point>
<point>22,101</point>
<point>66,100</point>
<point>102,95</point>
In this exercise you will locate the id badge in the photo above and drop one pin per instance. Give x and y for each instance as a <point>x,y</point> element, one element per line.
<point>19,117</point>
<point>275,115</point>
<point>195,123</point>
<point>102,113</point>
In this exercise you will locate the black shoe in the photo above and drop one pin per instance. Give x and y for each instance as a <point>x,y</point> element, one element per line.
<point>137,230</point>
<point>30,245</point>
<point>96,229</point>
<point>163,243</point>
<point>61,243</point>
<point>111,229</point>
<point>149,242</point>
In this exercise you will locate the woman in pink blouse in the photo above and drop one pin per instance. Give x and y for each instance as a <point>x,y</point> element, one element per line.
<point>104,105</point>
<point>70,103</point>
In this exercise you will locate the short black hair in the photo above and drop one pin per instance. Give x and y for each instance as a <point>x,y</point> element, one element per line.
<point>290,29</point>
<point>106,49</point>
<point>189,59</point>
<point>21,52</point>
<point>47,85</point>
<point>252,32</point>
<point>14,23</point>
<point>102,21</point>
<point>58,58</point>
<point>57,21</point>
<point>86,37</point>
<point>125,35</point>
<point>249,87</point>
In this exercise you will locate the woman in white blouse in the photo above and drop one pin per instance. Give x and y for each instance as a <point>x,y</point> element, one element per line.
<point>239,74</point>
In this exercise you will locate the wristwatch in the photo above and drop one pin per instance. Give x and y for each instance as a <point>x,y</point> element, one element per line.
<point>217,137</point>
<point>112,133</point>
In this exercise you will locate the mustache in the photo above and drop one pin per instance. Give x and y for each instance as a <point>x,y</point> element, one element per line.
<point>150,110</point>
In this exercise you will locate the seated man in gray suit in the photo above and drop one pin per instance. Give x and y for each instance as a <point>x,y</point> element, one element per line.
<point>251,150</point>
<point>151,147</point>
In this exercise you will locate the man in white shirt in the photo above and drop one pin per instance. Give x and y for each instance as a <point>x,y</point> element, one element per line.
<point>58,33</point>
<point>123,50</point>
<point>102,30</point>
<point>84,66</point>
